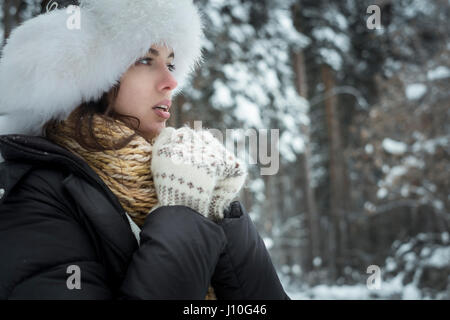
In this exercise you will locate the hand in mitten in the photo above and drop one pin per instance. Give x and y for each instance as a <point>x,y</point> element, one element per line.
<point>230,183</point>
<point>185,170</point>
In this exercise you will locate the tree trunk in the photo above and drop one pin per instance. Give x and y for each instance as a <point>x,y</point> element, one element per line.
<point>176,120</point>
<point>311,212</point>
<point>336,171</point>
<point>9,20</point>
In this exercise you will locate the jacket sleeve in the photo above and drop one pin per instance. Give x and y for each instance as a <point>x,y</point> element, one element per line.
<point>179,249</point>
<point>245,270</point>
<point>44,251</point>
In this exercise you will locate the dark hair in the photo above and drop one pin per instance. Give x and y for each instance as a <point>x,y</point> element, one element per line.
<point>84,115</point>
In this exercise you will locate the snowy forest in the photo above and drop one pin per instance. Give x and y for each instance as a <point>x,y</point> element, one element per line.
<point>359,206</point>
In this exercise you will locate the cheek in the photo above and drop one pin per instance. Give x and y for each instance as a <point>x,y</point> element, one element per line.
<point>134,97</point>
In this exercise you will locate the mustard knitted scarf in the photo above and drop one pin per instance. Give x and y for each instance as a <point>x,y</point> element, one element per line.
<point>125,171</point>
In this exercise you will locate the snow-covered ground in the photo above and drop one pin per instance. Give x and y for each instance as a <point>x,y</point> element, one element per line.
<point>418,269</point>
<point>388,290</point>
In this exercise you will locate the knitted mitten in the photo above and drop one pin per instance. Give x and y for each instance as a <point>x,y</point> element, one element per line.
<point>232,180</point>
<point>186,169</point>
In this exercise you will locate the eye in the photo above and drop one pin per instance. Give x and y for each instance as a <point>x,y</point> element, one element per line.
<point>171,67</point>
<point>149,60</point>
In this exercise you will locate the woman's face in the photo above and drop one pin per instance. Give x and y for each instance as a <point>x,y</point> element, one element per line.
<point>145,85</point>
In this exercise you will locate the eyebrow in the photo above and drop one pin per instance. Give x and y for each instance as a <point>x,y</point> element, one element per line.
<point>156,53</point>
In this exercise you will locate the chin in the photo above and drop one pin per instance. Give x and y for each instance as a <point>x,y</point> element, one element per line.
<point>154,130</point>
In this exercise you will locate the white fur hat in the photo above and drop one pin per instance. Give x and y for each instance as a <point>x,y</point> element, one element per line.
<point>48,68</point>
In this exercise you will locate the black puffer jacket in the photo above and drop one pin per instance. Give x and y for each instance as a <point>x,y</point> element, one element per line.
<point>56,213</point>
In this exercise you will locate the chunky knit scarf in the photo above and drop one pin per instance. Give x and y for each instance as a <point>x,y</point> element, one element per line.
<point>125,171</point>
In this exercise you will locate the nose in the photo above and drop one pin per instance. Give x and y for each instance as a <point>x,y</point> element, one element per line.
<point>167,82</point>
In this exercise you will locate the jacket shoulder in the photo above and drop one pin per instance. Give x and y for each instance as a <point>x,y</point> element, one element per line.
<point>42,235</point>
<point>36,186</point>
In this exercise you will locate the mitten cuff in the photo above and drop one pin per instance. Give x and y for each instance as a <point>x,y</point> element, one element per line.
<point>225,191</point>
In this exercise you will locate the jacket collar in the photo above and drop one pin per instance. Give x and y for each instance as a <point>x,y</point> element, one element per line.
<point>35,150</point>
<point>24,152</point>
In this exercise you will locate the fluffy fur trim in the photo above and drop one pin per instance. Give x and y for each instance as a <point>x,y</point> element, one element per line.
<point>48,69</point>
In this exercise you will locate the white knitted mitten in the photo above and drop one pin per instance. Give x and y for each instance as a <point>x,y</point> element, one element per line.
<point>185,169</point>
<point>230,183</point>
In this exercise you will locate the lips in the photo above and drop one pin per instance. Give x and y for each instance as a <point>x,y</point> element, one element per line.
<point>163,113</point>
<point>165,102</point>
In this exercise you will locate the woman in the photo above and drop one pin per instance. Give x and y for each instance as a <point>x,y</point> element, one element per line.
<point>98,199</point>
